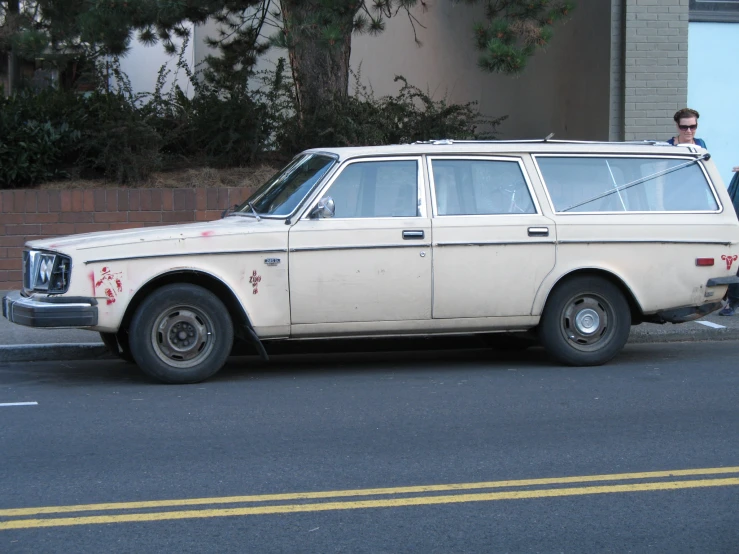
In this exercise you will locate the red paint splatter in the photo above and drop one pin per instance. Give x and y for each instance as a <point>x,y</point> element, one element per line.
<point>255,279</point>
<point>729,259</point>
<point>109,279</point>
<point>92,278</point>
<point>111,296</point>
<point>207,233</point>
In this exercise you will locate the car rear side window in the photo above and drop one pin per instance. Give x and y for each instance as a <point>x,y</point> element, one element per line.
<point>480,187</point>
<point>626,184</point>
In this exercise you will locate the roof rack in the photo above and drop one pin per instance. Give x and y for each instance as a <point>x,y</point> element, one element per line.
<point>446,142</point>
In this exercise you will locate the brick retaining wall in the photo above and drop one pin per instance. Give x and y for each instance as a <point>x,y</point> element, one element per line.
<point>32,214</point>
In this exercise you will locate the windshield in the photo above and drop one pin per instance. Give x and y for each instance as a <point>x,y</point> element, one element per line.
<point>285,190</point>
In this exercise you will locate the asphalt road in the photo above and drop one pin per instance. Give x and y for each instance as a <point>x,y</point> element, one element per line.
<point>658,428</point>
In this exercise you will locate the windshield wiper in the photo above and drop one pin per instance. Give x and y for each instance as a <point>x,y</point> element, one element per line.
<point>228,211</point>
<point>639,181</point>
<point>253,210</point>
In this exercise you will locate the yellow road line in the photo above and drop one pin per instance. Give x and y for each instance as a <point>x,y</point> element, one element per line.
<point>364,504</point>
<point>364,492</point>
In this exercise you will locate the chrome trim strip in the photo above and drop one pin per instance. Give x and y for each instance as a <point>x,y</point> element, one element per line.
<point>495,243</point>
<point>184,254</point>
<point>30,302</point>
<point>657,241</point>
<point>373,247</point>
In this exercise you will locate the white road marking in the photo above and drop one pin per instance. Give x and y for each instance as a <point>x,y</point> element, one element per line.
<point>18,404</point>
<point>711,324</point>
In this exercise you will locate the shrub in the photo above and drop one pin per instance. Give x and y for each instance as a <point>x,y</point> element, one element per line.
<point>35,138</point>
<point>363,120</point>
<point>126,136</point>
<point>116,140</point>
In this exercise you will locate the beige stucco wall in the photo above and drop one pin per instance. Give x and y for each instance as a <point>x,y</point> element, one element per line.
<point>564,90</point>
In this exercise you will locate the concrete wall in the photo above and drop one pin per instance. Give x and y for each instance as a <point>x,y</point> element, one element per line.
<point>713,85</point>
<point>142,63</point>
<point>564,90</point>
<point>656,67</point>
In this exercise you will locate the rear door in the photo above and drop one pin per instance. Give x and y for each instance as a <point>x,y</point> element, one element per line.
<point>492,246</point>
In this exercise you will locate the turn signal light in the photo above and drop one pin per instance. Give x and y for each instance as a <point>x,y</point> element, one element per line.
<point>703,261</point>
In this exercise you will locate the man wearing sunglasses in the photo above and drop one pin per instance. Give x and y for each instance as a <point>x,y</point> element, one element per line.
<point>687,124</point>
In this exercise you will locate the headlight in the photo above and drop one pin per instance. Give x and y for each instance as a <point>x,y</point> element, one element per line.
<point>44,271</point>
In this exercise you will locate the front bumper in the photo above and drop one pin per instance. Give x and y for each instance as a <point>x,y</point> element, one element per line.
<point>51,311</point>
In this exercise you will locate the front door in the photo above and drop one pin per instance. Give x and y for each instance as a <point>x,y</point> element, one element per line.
<point>492,247</point>
<point>370,261</point>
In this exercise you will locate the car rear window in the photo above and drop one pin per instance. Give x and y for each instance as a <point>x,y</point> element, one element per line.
<point>626,184</point>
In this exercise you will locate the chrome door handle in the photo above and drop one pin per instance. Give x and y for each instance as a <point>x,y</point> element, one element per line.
<point>413,235</point>
<point>538,231</point>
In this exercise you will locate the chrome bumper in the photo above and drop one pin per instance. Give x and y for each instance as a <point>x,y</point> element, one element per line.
<point>51,311</point>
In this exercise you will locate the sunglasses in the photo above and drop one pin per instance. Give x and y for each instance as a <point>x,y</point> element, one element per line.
<point>686,127</point>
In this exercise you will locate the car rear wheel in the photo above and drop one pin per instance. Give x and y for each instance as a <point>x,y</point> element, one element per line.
<point>586,321</point>
<point>181,333</point>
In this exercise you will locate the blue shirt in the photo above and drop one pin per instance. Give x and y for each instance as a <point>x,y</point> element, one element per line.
<point>698,142</point>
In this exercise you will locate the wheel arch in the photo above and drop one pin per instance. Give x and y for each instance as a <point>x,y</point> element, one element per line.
<point>225,294</point>
<point>637,315</point>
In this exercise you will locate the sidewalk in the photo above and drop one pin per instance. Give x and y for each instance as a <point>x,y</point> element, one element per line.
<point>23,344</point>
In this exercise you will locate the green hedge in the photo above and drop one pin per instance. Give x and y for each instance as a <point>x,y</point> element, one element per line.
<point>125,137</point>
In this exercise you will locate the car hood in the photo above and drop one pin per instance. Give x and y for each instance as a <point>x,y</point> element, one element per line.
<point>222,234</point>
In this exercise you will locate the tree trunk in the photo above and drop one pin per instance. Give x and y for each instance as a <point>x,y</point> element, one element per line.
<point>14,66</point>
<point>320,69</point>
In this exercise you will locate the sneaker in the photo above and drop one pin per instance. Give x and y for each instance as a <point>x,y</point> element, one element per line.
<point>728,310</point>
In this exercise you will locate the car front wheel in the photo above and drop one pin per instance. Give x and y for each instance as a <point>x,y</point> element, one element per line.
<point>181,333</point>
<point>586,321</point>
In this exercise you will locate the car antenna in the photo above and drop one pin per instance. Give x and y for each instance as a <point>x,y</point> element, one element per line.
<point>550,135</point>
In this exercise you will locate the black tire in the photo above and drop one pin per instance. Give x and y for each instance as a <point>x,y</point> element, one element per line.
<point>181,333</point>
<point>118,345</point>
<point>586,321</point>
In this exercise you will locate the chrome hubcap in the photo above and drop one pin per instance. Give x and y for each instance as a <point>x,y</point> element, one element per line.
<point>586,322</point>
<point>182,336</point>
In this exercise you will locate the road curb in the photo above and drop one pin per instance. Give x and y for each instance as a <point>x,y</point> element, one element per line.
<point>641,334</point>
<point>661,333</point>
<point>53,352</point>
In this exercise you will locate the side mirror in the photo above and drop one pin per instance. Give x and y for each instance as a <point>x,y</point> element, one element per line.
<point>324,209</point>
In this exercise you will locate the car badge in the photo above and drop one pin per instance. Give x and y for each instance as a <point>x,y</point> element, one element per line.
<point>272,261</point>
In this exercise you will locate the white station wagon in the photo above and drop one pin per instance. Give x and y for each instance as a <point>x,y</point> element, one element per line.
<point>572,242</point>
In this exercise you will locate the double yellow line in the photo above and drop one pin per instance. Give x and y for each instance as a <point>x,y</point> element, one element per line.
<point>401,496</point>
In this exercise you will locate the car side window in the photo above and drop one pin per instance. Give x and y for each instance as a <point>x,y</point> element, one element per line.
<point>383,188</point>
<point>626,184</point>
<point>480,187</point>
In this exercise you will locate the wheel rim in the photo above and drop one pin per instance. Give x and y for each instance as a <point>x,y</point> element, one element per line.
<point>183,336</point>
<point>587,322</point>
